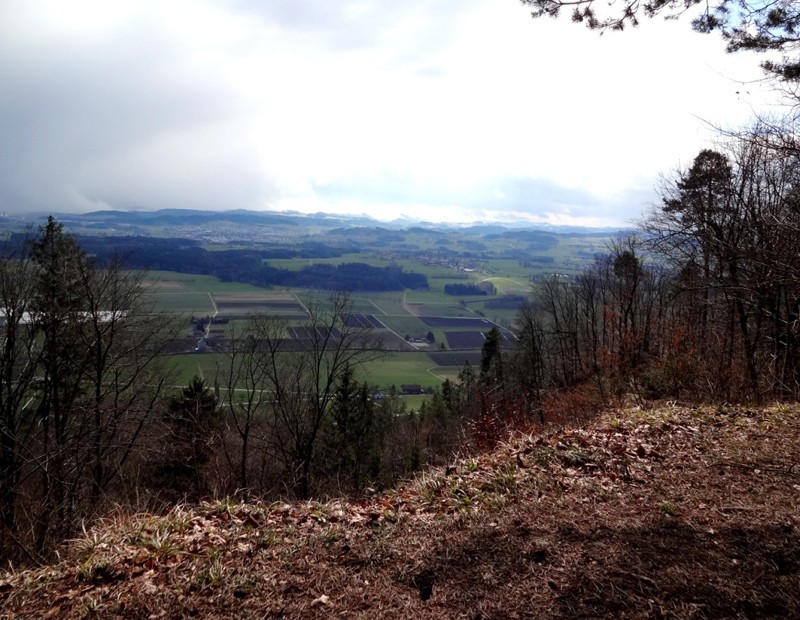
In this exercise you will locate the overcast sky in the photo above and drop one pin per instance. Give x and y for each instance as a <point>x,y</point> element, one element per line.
<point>447,111</point>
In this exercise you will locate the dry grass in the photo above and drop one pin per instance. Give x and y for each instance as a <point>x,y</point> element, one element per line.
<point>673,512</point>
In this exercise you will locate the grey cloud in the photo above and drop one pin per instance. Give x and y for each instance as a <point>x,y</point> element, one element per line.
<point>79,118</point>
<point>522,195</point>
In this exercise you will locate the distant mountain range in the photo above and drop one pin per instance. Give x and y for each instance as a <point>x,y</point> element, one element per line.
<point>138,221</point>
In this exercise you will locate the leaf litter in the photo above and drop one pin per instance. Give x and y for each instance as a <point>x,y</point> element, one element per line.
<point>674,511</point>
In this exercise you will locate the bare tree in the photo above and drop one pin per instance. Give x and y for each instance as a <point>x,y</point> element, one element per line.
<point>18,370</point>
<point>728,224</point>
<point>78,384</point>
<point>301,369</point>
<point>243,377</point>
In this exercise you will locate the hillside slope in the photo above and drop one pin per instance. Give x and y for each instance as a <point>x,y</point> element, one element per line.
<point>670,512</point>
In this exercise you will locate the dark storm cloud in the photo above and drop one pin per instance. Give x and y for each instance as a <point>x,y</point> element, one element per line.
<point>80,110</point>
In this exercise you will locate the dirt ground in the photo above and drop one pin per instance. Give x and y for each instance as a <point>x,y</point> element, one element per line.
<point>669,512</point>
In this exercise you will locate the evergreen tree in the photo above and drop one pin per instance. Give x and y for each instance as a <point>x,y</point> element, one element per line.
<point>354,416</point>
<point>194,424</point>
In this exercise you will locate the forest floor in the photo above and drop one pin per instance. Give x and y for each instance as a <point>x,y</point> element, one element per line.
<point>674,511</point>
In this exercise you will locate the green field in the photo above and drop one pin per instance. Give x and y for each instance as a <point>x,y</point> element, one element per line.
<point>399,311</point>
<point>401,368</point>
<point>394,369</point>
<point>196,283</point>
<point>509,268</point>
<point>382,305</point>
<point>510,286</point>
<point>189,365</point>
<point>180,302</point>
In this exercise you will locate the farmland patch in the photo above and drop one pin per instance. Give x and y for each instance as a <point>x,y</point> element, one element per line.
<point>475,340</point>
<point>162,286</point>
<point>385,305</point>
<point>453,309</point>
<point>405,325</point>
<point>307,333</point>
<point>455,358</point>
<point>362,320</point>
<point>256,306</point>
<point>457,322</point>
<point>195,303</point>
<point>398,369</point>
<point>392,342</point>
<point>249,303</point>
<point>464,340</point>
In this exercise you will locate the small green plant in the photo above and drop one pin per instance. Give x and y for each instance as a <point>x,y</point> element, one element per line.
<point>428,495</point>
<point>668,509</point>
<point>87,545</point>
<point>95,572</point>
<point>505,479</point>
<point>159,542</point>
<point>542,456</point>
<point>494,502</point>
<point>466,497</point>
<point>330,536</point>
<point>577,457</point>
<point>390,516</point>
<point>226,506</point>
<point>267,539</point>
<point>471,465</point>
<point>213,575</point>
<point>430,490</point>
<point>89,608</point>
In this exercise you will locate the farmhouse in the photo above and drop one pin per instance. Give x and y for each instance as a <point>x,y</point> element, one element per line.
<point>410,388</point>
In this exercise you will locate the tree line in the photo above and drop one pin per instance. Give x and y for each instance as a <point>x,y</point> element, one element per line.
<point>249,266</point>
<point>702,303</point>
<point>478,288</point>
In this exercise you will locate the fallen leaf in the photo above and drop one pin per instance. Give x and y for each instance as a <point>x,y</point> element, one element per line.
<point>322,600</point>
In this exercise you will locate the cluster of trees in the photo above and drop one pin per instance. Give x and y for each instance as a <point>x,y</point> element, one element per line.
<point>249,265</point>
<point>479,288</point>
<point>702,303</point>
<point>90,416</point>
<point>729,228</point>
<point>352,277</point>
<point>79,381</point>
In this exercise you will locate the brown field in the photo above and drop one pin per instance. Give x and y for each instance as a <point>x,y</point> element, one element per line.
<point>260,296</point>
<point>276,302</point>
